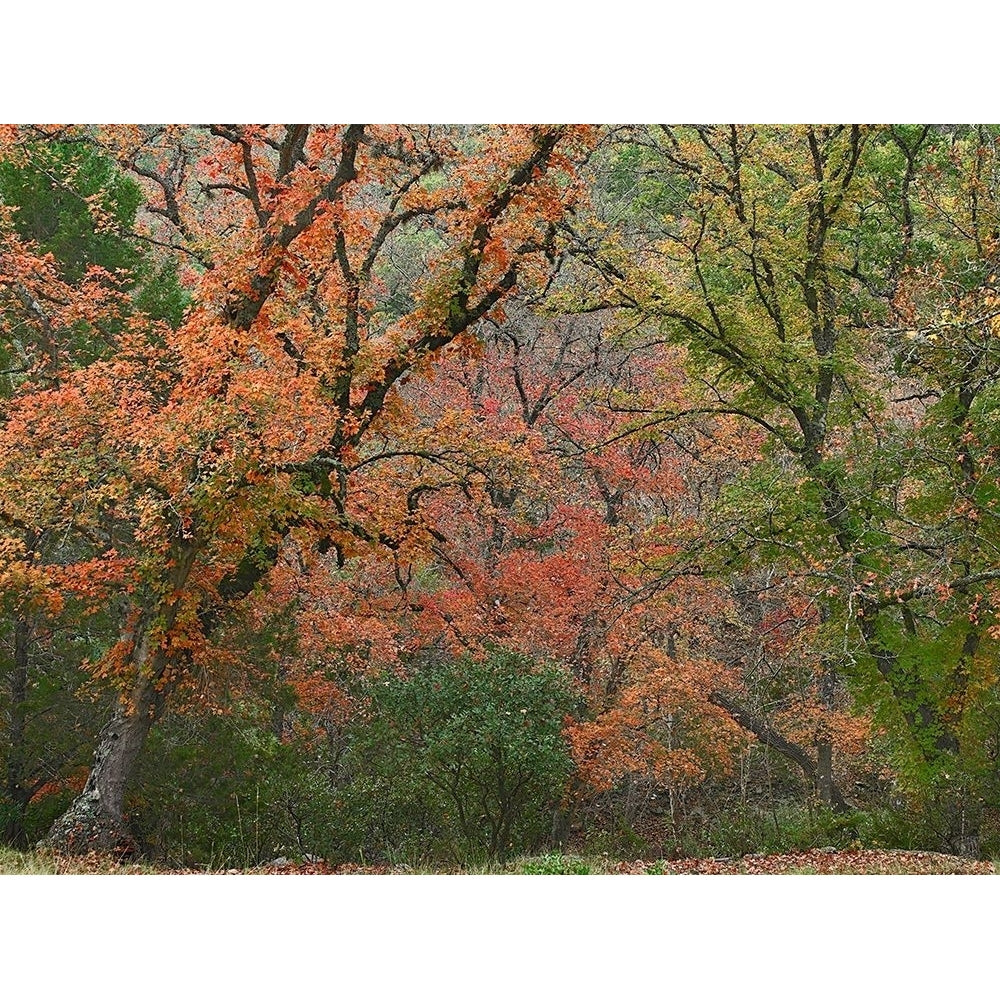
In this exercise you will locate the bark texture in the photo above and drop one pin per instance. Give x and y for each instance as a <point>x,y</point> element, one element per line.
<point>96,820</point>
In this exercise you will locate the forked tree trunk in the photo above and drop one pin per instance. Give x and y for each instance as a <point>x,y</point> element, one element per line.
<point>964,838</point>
<point>770,737</point>
<point>961,817</point>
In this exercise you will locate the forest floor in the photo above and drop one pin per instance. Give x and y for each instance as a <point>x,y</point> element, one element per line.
<point>819,861</point>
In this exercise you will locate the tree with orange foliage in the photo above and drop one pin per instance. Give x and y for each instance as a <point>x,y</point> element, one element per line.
<point>551,513</point>
<point>189,457</point>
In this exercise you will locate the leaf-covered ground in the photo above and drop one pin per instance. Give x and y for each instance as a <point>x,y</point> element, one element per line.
<point>814,862</point>
<point>820,861</point>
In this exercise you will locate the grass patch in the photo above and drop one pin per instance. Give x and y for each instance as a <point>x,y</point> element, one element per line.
<point>31,863</point>
<point>554,864</point>
<point>46,863</point>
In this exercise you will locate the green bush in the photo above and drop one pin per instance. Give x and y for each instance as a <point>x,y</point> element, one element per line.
<point>915,826</point>
<point>553,864</point>
<point>461,759</point>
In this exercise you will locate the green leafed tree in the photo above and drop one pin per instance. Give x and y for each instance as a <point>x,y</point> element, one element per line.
<point>806,270</point>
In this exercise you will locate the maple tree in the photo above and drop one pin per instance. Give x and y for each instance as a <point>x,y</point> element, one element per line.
<point>543,512</point>
<point>192,455</point>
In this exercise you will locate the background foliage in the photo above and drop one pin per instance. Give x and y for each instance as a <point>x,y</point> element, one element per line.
<point>398,492</point>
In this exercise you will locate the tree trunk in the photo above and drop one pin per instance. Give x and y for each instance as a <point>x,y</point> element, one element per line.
<point>771,738</point>
<point>961,818</point>
<point>824,770</point>
<point>824,745</point>
<point>96,819</point>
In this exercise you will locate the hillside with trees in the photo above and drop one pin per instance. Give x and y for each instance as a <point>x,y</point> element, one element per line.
<point>380,495</point>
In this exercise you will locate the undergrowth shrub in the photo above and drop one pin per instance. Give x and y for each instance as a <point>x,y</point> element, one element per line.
<point>461,759</point>
<point>220,791</point>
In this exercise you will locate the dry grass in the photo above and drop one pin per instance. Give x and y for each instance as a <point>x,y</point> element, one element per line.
<point>47,863</point>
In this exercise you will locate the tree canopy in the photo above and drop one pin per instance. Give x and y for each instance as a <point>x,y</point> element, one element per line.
<point>323,443</point>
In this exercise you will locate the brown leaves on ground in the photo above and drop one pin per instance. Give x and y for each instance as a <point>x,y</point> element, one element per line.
<point>320,868</point>
<point>819,861</point>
